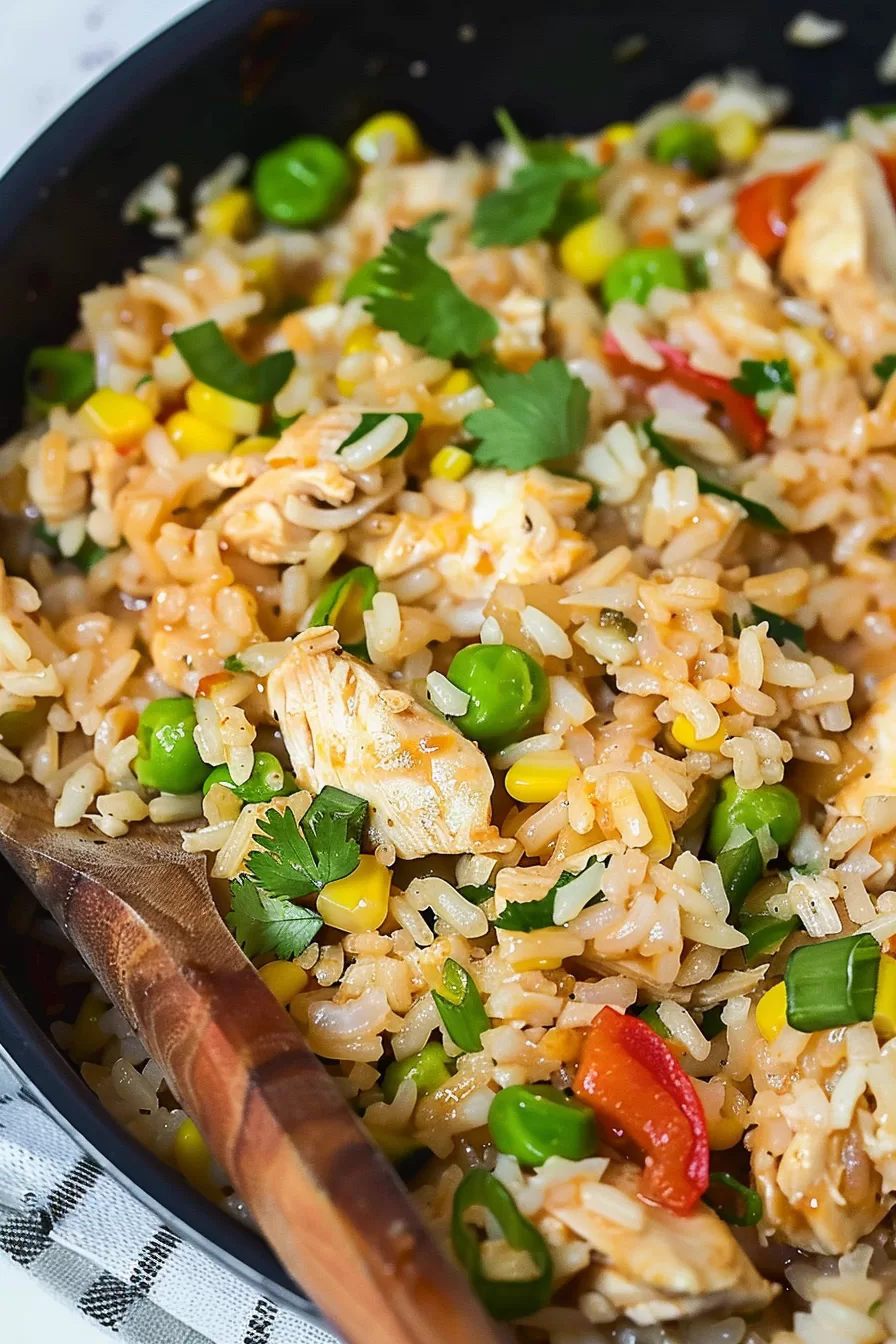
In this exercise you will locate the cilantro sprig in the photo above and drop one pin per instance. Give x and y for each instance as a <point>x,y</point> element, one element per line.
<point>764,381</point>
<point>885,367</point>
<point>294,860</point>
<point>537,416</point>
<point>552,182</point>
<point>410,293</point>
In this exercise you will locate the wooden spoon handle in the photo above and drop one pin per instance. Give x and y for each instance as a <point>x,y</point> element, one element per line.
<point>326,1199</point>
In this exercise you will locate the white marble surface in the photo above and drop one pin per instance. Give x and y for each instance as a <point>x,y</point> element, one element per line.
<point>50,50</point>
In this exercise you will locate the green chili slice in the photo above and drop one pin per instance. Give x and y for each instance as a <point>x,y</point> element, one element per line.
<point>765,934</point>
<point>57,376</point>
<point>707,483</point>
<point>343,604</point>
<point>461,1008</point>
<point>535,1123</point>
<point>214,362</point>
<point>832,984</point>
<point>735,1203</point>
<point>504,1299</point>
<point>740,868</point>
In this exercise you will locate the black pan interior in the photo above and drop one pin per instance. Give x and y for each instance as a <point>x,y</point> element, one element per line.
<point>236,75</point>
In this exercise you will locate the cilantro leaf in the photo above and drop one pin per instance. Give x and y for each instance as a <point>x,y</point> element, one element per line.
<point>410,293</point>
<point>370,420</point>
<point>885,367</point>
<point>262,924</point>
<point>760,378</point>
<point>234,663</point>
<point>526,916</point>
<point>527,208</point>
<point>291,861</point>
<point>537,416</point>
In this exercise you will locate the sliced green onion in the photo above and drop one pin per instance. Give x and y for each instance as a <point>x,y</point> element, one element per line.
<point>740,869</point>
<point>215,363</point>
<point>477,894</point>
<point>343,604</point>
<point>57,376</point>
<point>526,916</point>
<point>735,1203</point>
<point>504,1299</point>
<point>709,484</point>
<point>832,984</point>
<point>712,1023</point>
<point>885,367</point>
<point>535,1123</point>
<point>765,934</point>
<point>779,628</point>
<point>370,420</point>
<point>460,1007</point>
<point>88,554</point>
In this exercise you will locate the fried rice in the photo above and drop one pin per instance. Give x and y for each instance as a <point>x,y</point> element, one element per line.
<point>694,644</point>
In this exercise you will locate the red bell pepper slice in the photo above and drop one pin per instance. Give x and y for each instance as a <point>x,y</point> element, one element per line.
<point>741,410</point>
<point>632,1081</point>
<point>765,207</point>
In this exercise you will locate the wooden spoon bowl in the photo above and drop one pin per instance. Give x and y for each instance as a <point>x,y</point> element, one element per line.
<point>140,912</point>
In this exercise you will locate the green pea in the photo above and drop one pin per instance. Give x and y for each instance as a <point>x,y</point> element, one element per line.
<point>268,780</point>
<point>167,757</point>
<point>771,805</point>
<point>535,1123</point>
<point>429,1068</point>
<point>640,270</point>
<point>689,143</point>
<point>302,182</point>
<point>508,692</point>
<point>17,725</point>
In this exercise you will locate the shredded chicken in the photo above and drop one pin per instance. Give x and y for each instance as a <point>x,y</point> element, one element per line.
<point>824,1147</point>
<point>841,252</point>
<point>429,788</point>
<point>875,736</point>
<point>654,1265</point>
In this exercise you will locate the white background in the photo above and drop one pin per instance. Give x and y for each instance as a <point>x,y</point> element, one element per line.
<point>49,51</point>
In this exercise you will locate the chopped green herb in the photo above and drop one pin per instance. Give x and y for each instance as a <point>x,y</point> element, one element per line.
<point>765,934</point>
<point>234,664</point>
<point>779,628</point>
<point>360,283</point>
<point>879,111</point>
<point>537,416</point>
<point>410,293</point>
<point>708,484</point>
<point>740,869</point>
<point>651,1016</point>
<point>697,271</point>
<point>88,554</point>
<point>460,1007</point>
<point>735,1203</point>
<point>370,420</point>
<point>215,363</point>
<point>530,206</point>
<point>343,604</point>
<point>58,376</point>
<point>756,376</point>
<point>478,894</point>
<point>526,916</point>
<point>262,924</point>
<point>147,378</point>
<point>885,367</point>
<point>292,861</point>
<point>712,1023</point>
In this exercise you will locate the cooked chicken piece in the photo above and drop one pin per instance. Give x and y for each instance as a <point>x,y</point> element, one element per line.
<point>519,529</point>
<point>429,788</point>
<point>875,736</point>
<point>273,519</point>
<point>655,1265</point>
<point>841,251</point>
<point>823,1154</point>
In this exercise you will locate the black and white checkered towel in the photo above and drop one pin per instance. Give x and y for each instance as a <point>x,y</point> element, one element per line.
<point>90,1242</point>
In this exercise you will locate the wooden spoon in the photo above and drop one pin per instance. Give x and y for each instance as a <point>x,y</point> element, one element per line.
<point>140,912</point>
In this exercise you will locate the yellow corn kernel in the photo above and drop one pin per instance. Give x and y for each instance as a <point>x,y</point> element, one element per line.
<point>193,1159</point>
<point>117,416</point>
<point>191,435</point>
<point>285,979</point>
<point>737,137</point>
<point>325,291</point>
<point>360,902</point>
<point>827,356</point>
<point>87,1038</point>
<point>684,734</point>
<point>362,340</point>
<point>368,142</point>
<point>264,274</point>
<point>660,844</point>
<point>258,444</point>
<point>771,1012</point>
<point>458,382</point>
<point>588,250</point>
<point>618,133</point>
<point>230,216</point>
<point>451,463</point>
<point>224,412</point>
<point>724,1131</point>
<point>540,776</point>
<point>885,999</point>
<point>167,350</point>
